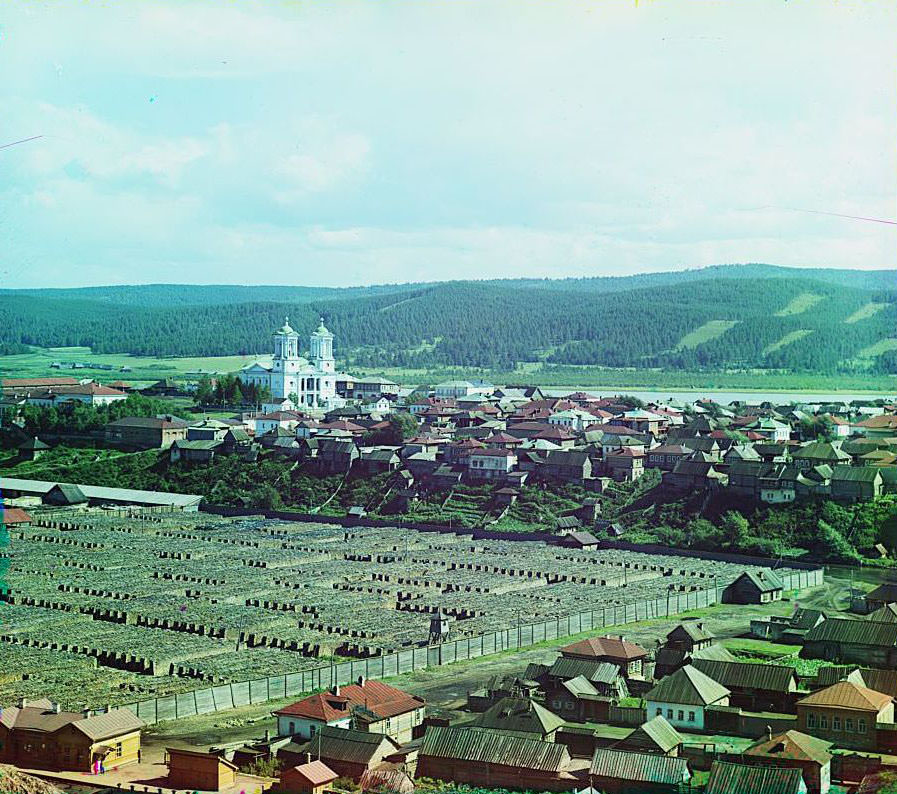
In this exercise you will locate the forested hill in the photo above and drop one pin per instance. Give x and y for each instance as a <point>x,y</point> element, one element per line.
<point>217,294</point>
<point>793,322</point>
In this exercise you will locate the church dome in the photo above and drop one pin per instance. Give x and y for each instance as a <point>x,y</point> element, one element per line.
<point>321,330</point>
<point>285,329</point>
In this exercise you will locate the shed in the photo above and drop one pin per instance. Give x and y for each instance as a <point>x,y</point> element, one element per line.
<point>619,771</point>
<point>64,493</point>
<point>191,769</point>
<point>308,778</point>
<point>730,778</point>
<point>754,586</point>
<point>654,736</point>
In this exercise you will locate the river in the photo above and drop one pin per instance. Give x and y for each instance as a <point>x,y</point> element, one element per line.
<point>723,397</point>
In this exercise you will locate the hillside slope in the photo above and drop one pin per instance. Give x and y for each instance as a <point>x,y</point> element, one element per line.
<point>792,323</point>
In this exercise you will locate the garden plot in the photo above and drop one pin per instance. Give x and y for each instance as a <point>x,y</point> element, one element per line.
<point>151,607</point>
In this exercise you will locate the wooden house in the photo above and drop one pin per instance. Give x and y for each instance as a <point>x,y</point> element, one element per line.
<point>348,752</point>
<point>683,697</point>
<point>845,713</point>
<point>628,656</point>
<point>519,716</point>
<point>756,687</point>
<point>798,750</point>
<point>40,735</point>
<point>493,759</point>
<point>850,641</point>
<point>754,586</point>
<point>190,769</point>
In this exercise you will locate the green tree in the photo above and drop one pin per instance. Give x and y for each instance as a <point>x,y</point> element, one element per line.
<point>205,391</point>
<point>736,530</point>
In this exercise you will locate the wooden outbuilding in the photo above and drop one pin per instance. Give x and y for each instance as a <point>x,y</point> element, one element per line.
<point>756,586</point>
<point>312,777</point>
<point>191,769</point>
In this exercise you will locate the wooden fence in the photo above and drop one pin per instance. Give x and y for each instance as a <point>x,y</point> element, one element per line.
<point>278,687</point>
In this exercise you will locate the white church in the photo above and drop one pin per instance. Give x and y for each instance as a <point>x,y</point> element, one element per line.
<point>311,381</point>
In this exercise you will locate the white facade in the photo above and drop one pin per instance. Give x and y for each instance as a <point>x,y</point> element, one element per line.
<point>677,714</point>
<point>288,725</point>
<point>312,381</point>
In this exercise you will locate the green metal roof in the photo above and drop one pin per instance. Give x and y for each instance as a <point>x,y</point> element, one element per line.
<point>854,632</point>
<point>494,747</point>
<point>660,732</point>
<point>728,778</point>
<point>746,675</point>
<point>688,686</point>
<point>640,767</point>
<point>519,715</point>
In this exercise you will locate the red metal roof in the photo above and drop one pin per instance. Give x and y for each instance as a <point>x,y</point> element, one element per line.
<point>374,696</point>
<point>612,648</point>
<point>15,515</point>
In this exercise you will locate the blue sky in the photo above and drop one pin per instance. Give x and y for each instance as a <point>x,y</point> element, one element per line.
<point>349,142</point>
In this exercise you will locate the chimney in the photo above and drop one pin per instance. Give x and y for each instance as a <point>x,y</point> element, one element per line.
<point>361,680</point>
<point>267,735</point>
<point>22,703</point>
<point>768,733</point>
<point>308,758</point>
<point>622,638</point>
<point>56,707</point>
<point>335,689</point>
<point>86,713</point>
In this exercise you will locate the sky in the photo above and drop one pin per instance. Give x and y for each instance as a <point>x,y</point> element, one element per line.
<point>340,143</point>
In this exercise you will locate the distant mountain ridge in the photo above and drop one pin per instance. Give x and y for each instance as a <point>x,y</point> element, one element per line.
<point>201,294</point>
<point>738,316</point>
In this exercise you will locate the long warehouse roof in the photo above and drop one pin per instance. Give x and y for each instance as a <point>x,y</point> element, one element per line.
<point>41,487</point>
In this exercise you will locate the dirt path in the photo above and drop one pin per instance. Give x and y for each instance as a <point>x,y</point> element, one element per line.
<point>446,688</point>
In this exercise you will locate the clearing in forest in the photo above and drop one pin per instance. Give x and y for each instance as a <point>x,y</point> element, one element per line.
<point>791,336</point>
<point>799,304</point>
<point>881,346</point>
<point>865,312</point>
<point>705,333</point>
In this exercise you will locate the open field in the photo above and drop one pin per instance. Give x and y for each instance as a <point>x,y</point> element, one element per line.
<point>147,369</point>
<point>96,365</point>
<point>787,339</point>
<point>708,331</point>
<point>164,606</point>
<point>865,312</point>
<point>799,304</point>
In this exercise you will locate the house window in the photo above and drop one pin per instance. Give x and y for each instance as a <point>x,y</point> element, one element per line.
<point>681,715</point>
<point>848,724</point>
<point>836,723</point>
<point>311,730</point>
<point>811,720</point>
<point>861,725</point>
<point>823,722</point>
<point>659,712</point>
<point>292,727</point>
<point>691,716</point>
<point>669,714</point>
